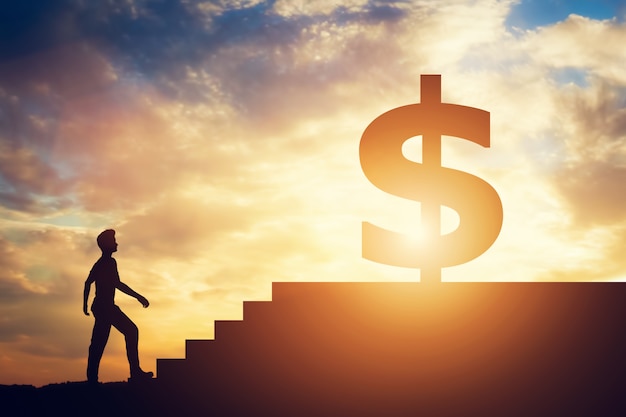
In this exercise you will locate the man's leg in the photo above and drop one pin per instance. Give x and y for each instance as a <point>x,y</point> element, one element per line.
<point>99,338</point>
<point>131,335</point>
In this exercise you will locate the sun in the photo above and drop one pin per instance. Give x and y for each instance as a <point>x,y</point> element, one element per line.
<point>417,237</point>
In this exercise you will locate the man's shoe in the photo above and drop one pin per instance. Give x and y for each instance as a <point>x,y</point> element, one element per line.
<point>140,375</point>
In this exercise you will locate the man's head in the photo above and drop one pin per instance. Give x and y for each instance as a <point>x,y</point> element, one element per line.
<point>106,241</point>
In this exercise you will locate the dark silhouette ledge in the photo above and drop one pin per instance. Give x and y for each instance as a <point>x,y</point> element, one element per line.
<point>394,349</point>
<point>379,349</point>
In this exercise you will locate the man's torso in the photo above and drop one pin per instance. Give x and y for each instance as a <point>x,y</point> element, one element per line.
<point>106,278</point>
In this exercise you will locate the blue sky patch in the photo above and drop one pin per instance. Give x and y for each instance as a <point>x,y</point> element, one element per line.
<point>530,14</point>
<point>573,75</point>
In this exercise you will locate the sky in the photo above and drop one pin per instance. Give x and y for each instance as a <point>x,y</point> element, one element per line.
<point>220,139</point>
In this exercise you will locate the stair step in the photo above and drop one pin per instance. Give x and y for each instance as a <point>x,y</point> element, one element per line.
<point>259,311</point>
<point>315,292</point>
<point>171,369</point>
<point>198,348</point>
<point>227,330</point>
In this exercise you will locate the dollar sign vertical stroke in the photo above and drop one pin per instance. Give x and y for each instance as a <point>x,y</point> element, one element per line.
<point>477,203</point>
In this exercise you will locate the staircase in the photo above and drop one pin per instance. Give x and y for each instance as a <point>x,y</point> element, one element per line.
<point>395,349</point>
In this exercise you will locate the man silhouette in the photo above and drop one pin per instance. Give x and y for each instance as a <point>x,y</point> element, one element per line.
<point>104,274</point>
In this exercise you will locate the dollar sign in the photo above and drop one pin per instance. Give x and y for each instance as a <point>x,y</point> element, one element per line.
<point>477,203</point>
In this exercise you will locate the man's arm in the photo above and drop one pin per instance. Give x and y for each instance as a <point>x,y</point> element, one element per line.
<point>88,282</point>
<point>127,290</point>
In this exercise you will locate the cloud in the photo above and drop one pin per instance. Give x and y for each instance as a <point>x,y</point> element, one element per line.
<point>37,257</point>
<point>31,26</point>
<point>184,227</point>
<point>580,42</point>
<point>41,295</point>
<point>95,116</point>
<point>28,178</point>
<point>593,161</point>
<point>596,255</point>
<point>13,285</point>
<point>594,192</point>
<point>33,93</point>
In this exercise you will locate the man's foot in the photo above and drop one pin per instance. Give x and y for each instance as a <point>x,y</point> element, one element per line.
<point>139,376</point>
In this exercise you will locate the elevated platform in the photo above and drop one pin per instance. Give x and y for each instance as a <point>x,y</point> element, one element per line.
<point>407,349</point>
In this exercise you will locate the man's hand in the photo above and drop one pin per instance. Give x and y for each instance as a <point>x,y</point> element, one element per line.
<point>127,290</point>
<point>143,300</point>
<point>90,279</point>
